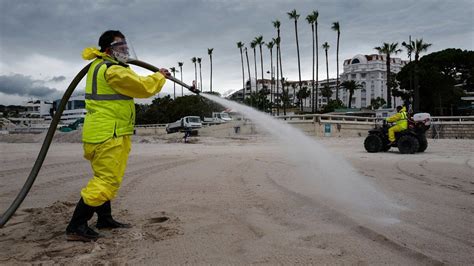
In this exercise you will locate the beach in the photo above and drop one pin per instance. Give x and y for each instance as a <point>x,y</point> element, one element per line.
<point>226,198</point>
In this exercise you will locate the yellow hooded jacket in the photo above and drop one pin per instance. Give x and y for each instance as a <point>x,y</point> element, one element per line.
<point>400,118</point>
<point>110,89</point>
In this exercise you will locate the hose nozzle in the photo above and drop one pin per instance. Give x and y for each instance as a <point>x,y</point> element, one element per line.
<point>193,88</point>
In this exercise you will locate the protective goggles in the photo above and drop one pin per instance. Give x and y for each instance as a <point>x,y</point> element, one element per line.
<point>119,46</point>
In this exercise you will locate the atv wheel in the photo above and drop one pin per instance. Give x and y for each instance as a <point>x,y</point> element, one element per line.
<point>373,143</point>
<point>408,144</point>
<point>423,143</point>
<point>386,145</point>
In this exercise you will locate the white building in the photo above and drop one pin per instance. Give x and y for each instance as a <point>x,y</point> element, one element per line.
<point>371,72</point>
<point>37,108</point>
<point>75,109</point>
<point>238,95</point>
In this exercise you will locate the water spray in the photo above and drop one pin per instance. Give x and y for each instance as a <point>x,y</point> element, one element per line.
<point>52,129</point>
<point>327,176</point>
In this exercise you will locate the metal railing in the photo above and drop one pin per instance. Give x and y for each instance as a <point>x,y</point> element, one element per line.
<point>151,126</point>
<point>346,119</point>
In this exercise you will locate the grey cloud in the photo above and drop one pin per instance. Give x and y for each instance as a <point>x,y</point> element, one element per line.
<point>171,31</point>
<point>58,79</point>
<point>26,86</point>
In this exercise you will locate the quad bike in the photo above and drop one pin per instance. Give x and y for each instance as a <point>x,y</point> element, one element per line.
<point>409,141</point>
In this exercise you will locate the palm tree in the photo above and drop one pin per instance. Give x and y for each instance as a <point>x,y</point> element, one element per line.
<point>270,47</point>
<point>248,69</point>
<point>209,52</point>
<point>313,20</point>
<point>293,15</point>
<point>326,48</point>
<point>276,24</point>
<point>253,45</point>
<point>180,64</point>
<point>259,40</point>
<point>316,15</point>
<point>326,92</point>
<point>285,98</point>
<point>337,28</point>
<point>194,59</point>
<point>173,70</point>
<point>351,86</point>
<point>388,49</point>
<point>409,48</point>
<point>418,47</point>
<point>240,45</point>
<point>200,73</point>
<point>277,90</point>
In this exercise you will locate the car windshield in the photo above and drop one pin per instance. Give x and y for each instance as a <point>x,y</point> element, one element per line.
<point>194,119</point>
<point>225,115</point>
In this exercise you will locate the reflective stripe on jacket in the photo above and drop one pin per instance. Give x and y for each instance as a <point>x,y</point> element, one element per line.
<point>108,112</point>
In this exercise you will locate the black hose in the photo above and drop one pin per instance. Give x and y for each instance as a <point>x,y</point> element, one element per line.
<point>44,149</point>
<point>52,129</point>
<point>139,63</point>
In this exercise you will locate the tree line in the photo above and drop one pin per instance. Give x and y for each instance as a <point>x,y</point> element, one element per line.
<point>277,95</point>
<point>167,109</point>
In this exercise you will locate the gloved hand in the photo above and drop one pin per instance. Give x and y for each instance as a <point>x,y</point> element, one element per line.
<point>193,88</point>
<point>165,72</point>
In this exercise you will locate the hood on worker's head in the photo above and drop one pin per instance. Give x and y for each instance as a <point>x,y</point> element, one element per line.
<point>401,109</point>
<point>91,53</point>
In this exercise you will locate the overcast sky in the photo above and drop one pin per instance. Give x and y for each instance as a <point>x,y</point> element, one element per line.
<point>41,41</point>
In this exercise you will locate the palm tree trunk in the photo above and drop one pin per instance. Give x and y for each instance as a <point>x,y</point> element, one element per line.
<point>283,89</point>
<point>243,73</point>
<point>261,61</point>
<point>255,61</point>
<point>389,94</point>
<point>327,69</point>
<point>195,74</point>
<point>174,87</point>
<point>281,59</point>
<point>299,65</point>
<point>181,70</point>
<point>200,76</point>
<point>416,96</point>
<point>317,65</point>
<point>272,93</point>
<point>277,81</point>
<point>337,67</point>
<point>350,99</point>
<point>211,71</point>
<point>248,69</point>
<point>312,89</point>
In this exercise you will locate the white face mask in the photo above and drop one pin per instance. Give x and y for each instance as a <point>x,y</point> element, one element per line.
<point>119,50</point>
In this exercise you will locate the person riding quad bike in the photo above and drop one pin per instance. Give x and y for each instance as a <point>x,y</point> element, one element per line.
<point>409,139</point>
<point>401,123</point>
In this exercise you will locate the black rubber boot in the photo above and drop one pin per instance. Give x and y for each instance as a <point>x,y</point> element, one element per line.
<point>78,230</point>
<point>105,220</point>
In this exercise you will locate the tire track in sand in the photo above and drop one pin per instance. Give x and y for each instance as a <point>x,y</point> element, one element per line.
<point>426,180</point>
<point>345,221</point>
<point>63,180</point>
<point>137,176</point>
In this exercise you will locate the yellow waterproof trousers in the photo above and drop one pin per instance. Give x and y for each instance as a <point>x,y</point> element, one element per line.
<point>392,130</point>
<point>108,160</point>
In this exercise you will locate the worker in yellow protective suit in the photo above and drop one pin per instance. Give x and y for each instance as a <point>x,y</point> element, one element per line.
<point>401,123</point>
<point>110,88</point>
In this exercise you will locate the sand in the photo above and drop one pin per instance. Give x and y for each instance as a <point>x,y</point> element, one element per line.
<point>237,199</point>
